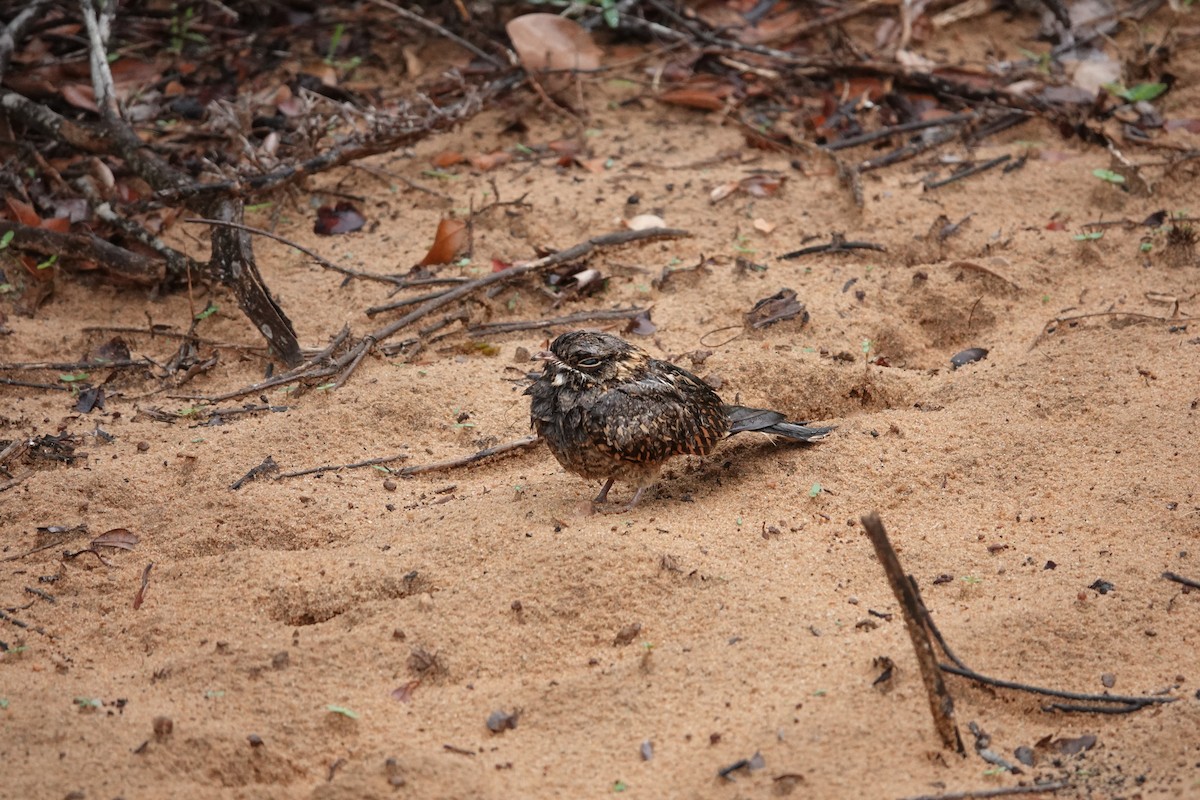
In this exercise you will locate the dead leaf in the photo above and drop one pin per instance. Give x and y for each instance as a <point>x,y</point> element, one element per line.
<point>762,226</point>
<point>548,41</point>
<point>22,212</point>
<point>489,161</point>
<point>448,158</point>
<point>450,239</point>
<point>79,95</point>
<point>704,99</point>
<point>593,165</point>
<point>565,147</point>
<point>140,597</point>
<point>761,184</point>
<point>404,693</point>
<point>780,306</point>
<point>120,538</point>
<point>342,218</point>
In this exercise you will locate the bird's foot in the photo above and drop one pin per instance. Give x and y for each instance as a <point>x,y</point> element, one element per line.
<point>627,507</point>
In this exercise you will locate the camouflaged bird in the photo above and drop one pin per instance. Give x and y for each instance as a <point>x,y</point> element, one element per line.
<point>608,411</point>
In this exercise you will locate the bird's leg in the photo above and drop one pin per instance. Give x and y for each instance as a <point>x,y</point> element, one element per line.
<point>603,496</point>
<point>628,506</point>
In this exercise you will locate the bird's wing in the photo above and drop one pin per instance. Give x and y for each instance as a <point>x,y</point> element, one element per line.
<point>666,413</point>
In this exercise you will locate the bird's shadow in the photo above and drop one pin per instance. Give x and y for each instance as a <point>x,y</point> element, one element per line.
<point>733,464</point>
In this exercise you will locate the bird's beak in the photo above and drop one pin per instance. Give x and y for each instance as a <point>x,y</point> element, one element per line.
<point>545,355</point>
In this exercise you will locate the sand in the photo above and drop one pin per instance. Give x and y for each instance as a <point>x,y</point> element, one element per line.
<point>349,634</point>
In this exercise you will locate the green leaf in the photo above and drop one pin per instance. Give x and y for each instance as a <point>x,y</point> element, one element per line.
<point>3,703</point>
<point>1088,237</point>
<point>1146,247</point>
<point>73,377</point>
<point>6,239</point>
<point>88,702</point>
<point>1143,91</point>
<point>612,16</point>
<point>619,786</point>
<point>345,712</point>
<point>1108,175</point>
<point>207,312</point>
<point>5,288</point>
<point>815,490</point>
<point>49,262</point>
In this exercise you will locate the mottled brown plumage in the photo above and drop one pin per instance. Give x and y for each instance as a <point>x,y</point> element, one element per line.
<point>608,411</point>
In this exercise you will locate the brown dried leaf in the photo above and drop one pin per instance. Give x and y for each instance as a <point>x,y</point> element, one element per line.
<point>780,306</point>
<point>79,95</point>
<point>450,239</point>
<point>448,158</point>
<point>548,41</point>
<point>489,161</point>
<point>140,597</point>
<point>706,99</point>
<point>120,538</point>
<point>22,212</point>
<point>404,693</point>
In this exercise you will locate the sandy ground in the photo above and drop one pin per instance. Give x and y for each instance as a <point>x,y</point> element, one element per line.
<point>1010,487</point>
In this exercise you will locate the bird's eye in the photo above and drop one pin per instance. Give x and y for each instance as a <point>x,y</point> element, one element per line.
<point>588,363</point>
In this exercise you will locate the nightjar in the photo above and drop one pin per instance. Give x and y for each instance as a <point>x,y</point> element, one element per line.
<point>608,411</point>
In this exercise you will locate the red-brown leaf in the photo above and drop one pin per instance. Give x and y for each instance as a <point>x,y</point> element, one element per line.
<point>120,538</point>
<point>451,238</point>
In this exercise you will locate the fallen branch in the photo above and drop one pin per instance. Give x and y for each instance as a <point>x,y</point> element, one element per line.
<point>370,462</point>
<point>324,262</point>
<point>341,368</point>
<point>941,704</point>
<point>1133,316</point>
<point>465,461</point>
<point>969,171</point>
<point>126,264</point>
<point>1123,703</point>
<point>1171,576</point>
<point>493,328</point>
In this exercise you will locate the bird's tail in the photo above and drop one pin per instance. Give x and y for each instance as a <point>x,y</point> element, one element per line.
<point>764,421</point>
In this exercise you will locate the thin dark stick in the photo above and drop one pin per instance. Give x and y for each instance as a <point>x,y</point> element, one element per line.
<point>287,377</point>
<point>32,385</point>
<point>492,328</point>
<point>981,794</point>
<point>1052,326</point>
<point>905,127</point>
<point>370,462</point>
<point>837,244</point>
<point>455,463</point>
<point>407,301</point>
<point>16,29</point>
<point>44,595</point>
<point>324,262</point>
<point>1171,576</point>
<point>910,150</point>
<point>74,366</point>
<point>438,29</point>
<point>941,704</point>
<point>966,173</point>
<point>961,669</point>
